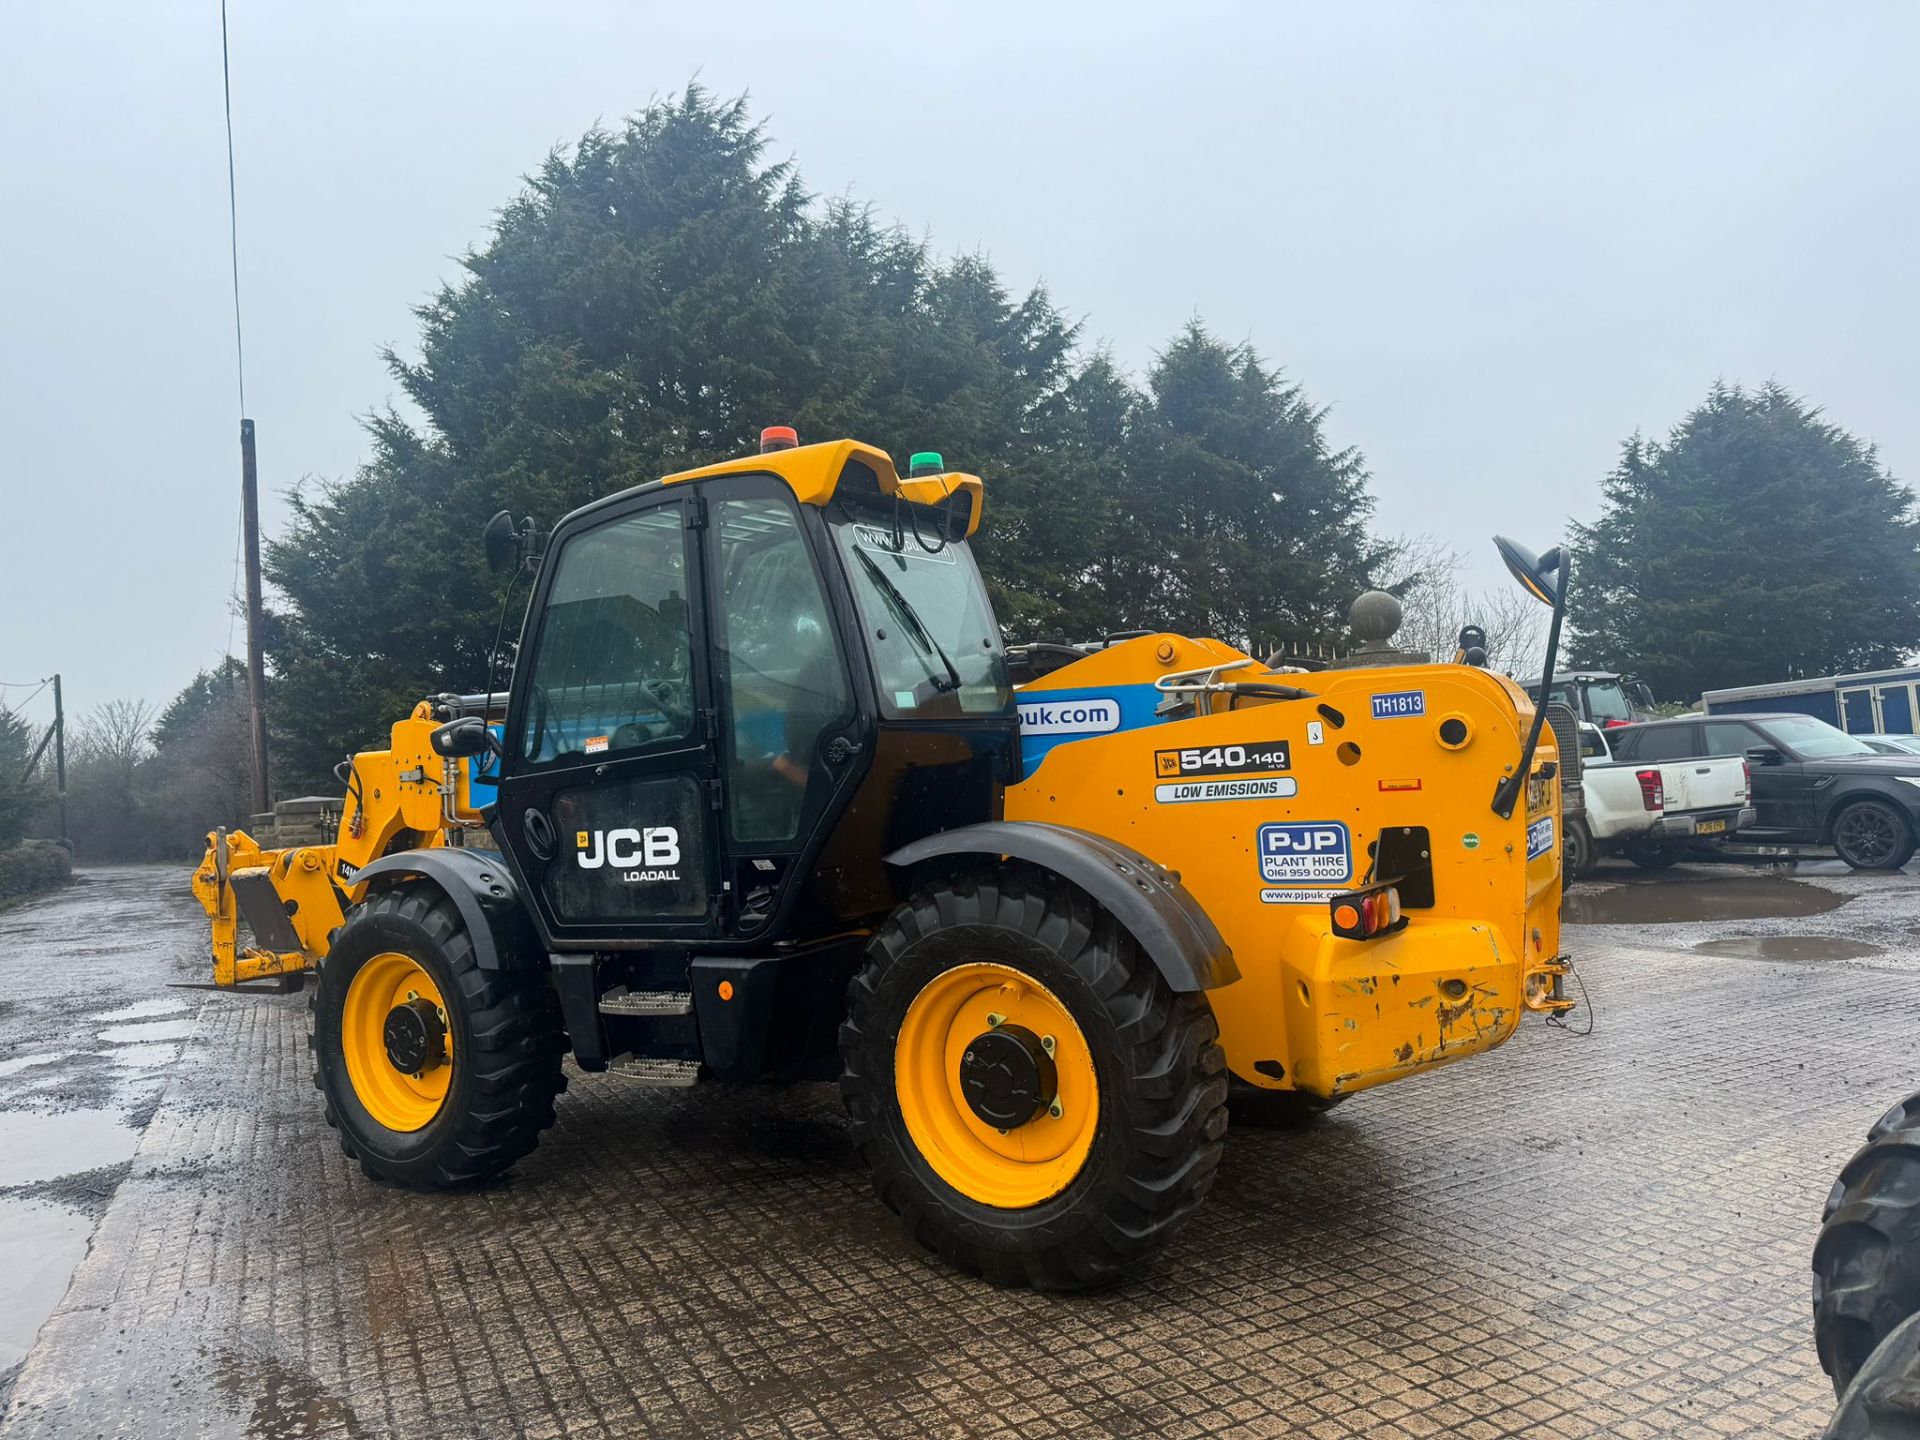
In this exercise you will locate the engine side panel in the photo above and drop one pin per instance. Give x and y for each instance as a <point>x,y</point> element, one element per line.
<point>1269,810</point>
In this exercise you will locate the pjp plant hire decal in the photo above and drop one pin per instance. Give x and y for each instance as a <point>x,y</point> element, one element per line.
<point>1318,852</point>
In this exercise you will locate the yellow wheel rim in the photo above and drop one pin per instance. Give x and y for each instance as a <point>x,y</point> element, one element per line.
<point>1025,1164</point>
<point>393,1097</point>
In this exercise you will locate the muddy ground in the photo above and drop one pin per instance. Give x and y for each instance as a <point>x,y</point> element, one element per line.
<point>1575,1236</point>
<point>88,1034</point>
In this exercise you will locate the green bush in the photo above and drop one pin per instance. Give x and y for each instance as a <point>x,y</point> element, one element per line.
<point>29,868</point>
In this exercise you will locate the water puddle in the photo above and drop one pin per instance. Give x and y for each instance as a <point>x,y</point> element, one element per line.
<point>140,1010</point>
<point>1788,947</point>
<point>282,1403</point>
<point>39,1247</point>
<point>153,1030</point>
<point>36,1146</point>
<point>141,1059</point>
<point>1658,902</point>
<point>27,1062</point>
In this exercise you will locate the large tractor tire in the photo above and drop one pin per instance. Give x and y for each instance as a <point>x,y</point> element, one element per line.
<point>1866,1263</point>
<point>436,1073</point>
<point>1883,1402</point>
<point>1872,835</point>
<point>1032,1099</point>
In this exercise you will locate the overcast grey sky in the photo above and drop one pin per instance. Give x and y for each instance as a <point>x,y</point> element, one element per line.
<point>1494,238</point>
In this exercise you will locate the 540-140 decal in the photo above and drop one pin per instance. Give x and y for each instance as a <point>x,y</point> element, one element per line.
<point>1258,759</point>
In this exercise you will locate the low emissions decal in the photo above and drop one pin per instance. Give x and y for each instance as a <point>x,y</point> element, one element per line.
<point>1069,717</point>
<point>1399,704</point>
<point>1223,760</point>
<point>1314,853</point>
<point>1279,787</point>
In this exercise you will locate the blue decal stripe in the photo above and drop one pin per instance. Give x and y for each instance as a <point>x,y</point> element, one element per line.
<point>1078,708</point>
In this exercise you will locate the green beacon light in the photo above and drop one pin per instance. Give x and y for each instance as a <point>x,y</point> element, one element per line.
<point>925,462</point>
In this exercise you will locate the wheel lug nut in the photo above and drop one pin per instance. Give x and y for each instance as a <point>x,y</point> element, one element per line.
<point>1046,1043</point>
<point>1055,1111</point>
<point>994,1022</point>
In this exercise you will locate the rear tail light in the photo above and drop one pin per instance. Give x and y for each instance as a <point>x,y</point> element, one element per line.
<point>1653,795</point>
<point>1366,914</point>
<point>1746,778</point>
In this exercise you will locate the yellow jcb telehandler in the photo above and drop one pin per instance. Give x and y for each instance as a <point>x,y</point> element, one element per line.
<point>764,803</point>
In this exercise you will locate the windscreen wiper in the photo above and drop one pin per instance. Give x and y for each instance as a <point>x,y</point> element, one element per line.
<point>901,607</point>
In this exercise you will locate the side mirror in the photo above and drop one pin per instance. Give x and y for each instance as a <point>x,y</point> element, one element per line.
<point>1539,575</point>
<point>507,544</point>
<point>1766,755</point>
<point>458,739</point>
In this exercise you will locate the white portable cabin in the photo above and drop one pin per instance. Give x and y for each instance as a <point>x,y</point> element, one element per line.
<point>1872,702</point>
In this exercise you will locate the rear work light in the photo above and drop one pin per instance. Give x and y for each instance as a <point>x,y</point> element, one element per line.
<point>1366,914</point>
<point>1653,795</point>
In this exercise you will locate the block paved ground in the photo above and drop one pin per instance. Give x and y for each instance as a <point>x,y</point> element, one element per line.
<point>1601,1236</point>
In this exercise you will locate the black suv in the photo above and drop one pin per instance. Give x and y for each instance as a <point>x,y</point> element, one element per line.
<point>1812,784</point>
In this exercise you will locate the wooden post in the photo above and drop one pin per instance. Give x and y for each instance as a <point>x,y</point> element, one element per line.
<point>256,659</point>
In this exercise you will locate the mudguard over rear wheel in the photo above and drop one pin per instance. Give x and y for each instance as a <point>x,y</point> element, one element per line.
<point>1033,1100</point>
<point>436,1073</point>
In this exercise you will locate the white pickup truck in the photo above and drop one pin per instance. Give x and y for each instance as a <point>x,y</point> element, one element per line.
<point>1653,814</point>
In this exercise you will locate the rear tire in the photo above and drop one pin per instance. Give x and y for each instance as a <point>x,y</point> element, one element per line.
<point>1148,1075</point>
<point>1872,835</point>
<point>1866,1263</point>
<point>502,1047</point>
<point>1883,1402</point>
<point>1578,856</point>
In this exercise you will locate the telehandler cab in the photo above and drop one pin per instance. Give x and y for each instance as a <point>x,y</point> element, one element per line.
<point>767,807</point>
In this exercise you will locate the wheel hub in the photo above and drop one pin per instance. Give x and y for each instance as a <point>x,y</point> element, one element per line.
<point>1007,1076</point>
<point>415,1036</point>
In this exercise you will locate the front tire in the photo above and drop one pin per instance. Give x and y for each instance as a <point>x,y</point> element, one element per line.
<point>1872,835</point>
<point>1866,1263</point>
<point>436,1073</point>
<point>985,975</point>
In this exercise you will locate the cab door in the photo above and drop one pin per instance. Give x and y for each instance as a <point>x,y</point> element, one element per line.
<point>609,790</point>
<point>791,736</point>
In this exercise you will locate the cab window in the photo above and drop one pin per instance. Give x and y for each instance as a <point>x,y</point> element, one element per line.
<point>1606,701</point>
<point>780,670</point>
<point>936,649</point>
<point>612,668</point>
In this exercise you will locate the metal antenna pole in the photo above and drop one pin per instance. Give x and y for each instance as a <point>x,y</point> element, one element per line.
<point>256,662</point>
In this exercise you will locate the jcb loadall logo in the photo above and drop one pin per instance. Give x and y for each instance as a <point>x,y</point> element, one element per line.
<point>641,856</point>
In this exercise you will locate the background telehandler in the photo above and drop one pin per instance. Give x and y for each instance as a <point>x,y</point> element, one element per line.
<point>763,804</point>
